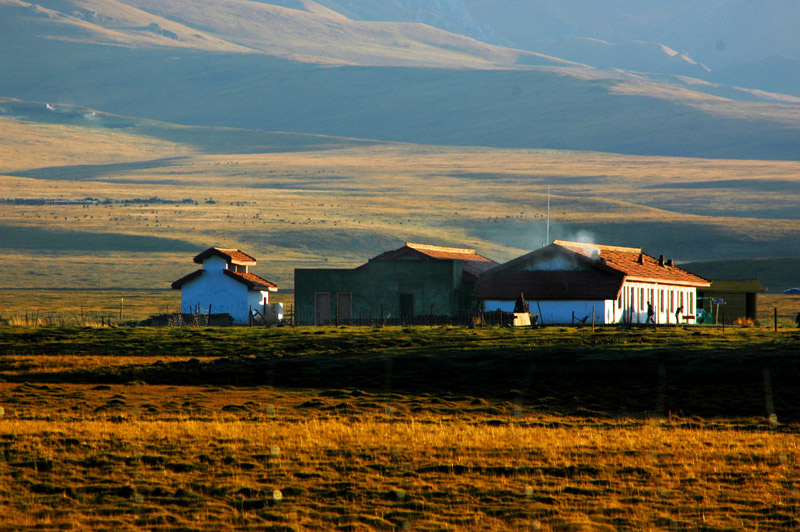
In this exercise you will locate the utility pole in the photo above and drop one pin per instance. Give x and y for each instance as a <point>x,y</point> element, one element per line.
<point>547,241</point>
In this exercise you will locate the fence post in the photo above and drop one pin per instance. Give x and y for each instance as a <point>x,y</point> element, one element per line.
<point>776,318</point>
<point>593,307</point>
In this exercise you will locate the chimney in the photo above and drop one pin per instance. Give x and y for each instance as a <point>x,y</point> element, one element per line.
<point>661,260</point>
<point>641,258</point>
<point>670,263</point>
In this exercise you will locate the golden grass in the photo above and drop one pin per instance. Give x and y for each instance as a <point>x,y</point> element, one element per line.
<point>338,207</point>
<point>159,458</point>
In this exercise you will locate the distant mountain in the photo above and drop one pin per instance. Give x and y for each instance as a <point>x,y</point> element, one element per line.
<point>777,74</point>
<point>638,56</point>
<point>622,34</point>
<point>306,67</point>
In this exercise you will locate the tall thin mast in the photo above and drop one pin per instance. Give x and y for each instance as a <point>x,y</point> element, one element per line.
<point>547,242</point>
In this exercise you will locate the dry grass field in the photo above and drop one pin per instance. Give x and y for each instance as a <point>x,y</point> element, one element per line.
<point>132,208</point>
<point>82,448</point>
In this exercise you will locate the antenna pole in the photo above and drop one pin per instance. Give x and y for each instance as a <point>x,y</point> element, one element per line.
<point>547,243</point>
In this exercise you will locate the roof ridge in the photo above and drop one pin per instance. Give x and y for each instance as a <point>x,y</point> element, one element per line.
<point>601,247</point>
<point>429,247</point>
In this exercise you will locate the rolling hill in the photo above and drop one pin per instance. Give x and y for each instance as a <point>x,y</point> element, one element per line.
<point>265,67</point>
<point>135,132</point>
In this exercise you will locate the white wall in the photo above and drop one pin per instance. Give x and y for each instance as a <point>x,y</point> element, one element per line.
<point>632,305</point>
<point>560,312</point>
<point>224,294</point>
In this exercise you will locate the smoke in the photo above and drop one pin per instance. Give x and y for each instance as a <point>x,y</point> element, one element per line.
<point>584,237</point>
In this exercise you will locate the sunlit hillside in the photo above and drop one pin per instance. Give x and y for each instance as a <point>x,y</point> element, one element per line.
<point>137,202</point>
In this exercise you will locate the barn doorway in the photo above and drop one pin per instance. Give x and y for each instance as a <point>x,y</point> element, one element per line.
<point>344,307</point>
<point>406,307</point>
<point>322,308</point>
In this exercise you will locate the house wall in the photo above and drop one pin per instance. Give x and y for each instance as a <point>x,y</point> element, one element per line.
<point>565,312</point>
<point>631,307</point>
<point>735,306</point>
<point>435,287</point>
<point>224,294</point>
<point>215,263</point>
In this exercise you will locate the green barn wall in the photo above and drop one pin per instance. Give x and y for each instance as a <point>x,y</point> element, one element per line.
<point>436,285</point>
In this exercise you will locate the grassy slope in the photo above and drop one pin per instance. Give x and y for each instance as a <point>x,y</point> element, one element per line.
<point>304,201</point>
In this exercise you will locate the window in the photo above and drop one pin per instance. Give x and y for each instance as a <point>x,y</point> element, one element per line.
<point>661,305</point>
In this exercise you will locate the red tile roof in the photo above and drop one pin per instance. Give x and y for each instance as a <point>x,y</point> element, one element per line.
<point>232,255</point>
<point>253,281</point>
<point>474,264</point>
<point>596,273</point>
<point>635,264</point>
<point>438,252</point>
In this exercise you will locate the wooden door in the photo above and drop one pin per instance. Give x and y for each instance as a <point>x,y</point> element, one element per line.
<point>322,308</point>
<point>344,307</point>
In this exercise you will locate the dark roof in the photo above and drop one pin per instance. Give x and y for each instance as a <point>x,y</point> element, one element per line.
<point>551,285</point>
<point>231,255</point>
<point>186,278</point>
<point>253,281</point>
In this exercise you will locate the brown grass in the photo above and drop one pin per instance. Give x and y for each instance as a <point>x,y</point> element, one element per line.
<point>160,458</point>
<point>337,207</point>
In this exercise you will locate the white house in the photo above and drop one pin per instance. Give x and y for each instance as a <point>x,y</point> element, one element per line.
<point>224,285</point>
<point>568,282</point>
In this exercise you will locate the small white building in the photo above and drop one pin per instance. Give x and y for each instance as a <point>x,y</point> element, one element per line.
<point>224,286</point>
<point>568,282</point>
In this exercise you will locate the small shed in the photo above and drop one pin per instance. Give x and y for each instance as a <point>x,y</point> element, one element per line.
<point>733,299</point>
<point>224,285</point>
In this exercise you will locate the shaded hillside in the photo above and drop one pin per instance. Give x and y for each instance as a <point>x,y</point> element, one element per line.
<point>313,35</point>
<point>775,274</point>
<point>521,108</point>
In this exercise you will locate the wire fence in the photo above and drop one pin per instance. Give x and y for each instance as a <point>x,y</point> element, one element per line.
<point>292,317</point>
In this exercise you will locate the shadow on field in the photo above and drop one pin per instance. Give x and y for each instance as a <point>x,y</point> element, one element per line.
<point>756,380</point>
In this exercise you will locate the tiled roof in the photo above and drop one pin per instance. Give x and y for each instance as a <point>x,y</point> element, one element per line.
<point>434,252</point>
<point>438,252</point>
<point>474,264</point>
<point>635,264</point>
<point>595,273</point>
<point>253,281</point>
<point>232,255</point>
